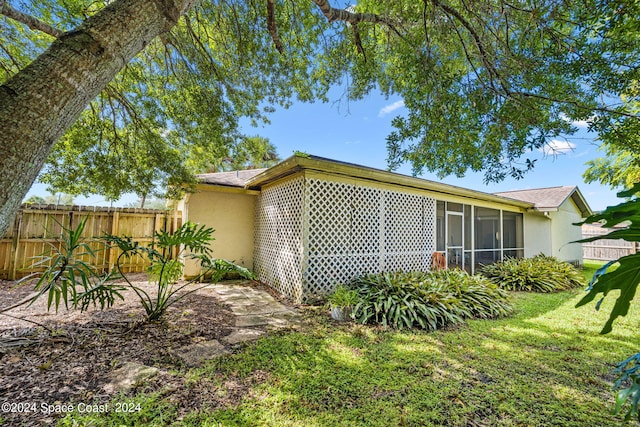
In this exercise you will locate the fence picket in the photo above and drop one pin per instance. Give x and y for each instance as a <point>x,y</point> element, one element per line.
<point>34,223</point>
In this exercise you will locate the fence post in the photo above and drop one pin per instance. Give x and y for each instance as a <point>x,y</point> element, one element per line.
<point>13,262</point>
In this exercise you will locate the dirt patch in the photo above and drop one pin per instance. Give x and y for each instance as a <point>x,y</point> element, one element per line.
<point>72,354</point>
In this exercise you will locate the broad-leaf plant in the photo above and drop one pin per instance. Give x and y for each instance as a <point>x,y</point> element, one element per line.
<point>624,279</point>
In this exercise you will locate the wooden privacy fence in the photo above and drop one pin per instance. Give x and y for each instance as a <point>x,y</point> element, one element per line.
<point>37,227</point>
<point>605,249</point>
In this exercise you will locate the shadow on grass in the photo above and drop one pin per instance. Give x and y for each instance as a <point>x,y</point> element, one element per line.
<point>546,365</point>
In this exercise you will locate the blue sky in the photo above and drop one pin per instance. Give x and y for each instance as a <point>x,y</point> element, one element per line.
<point>355,132</point>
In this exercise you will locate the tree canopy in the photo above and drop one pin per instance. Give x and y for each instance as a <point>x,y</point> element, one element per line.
<point>160,82</point>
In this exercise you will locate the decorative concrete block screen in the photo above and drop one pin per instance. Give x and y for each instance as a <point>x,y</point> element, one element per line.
<point>312,234</point>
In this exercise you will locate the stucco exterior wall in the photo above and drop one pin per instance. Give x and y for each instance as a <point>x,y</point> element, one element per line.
<point>231,214</point>
<point>537,235</point>
<point>563,231</point>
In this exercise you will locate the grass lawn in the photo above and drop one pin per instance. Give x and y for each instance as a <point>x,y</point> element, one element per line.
<point>546,365</point>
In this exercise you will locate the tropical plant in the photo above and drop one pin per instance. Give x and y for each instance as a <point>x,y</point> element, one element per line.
<point>481,298</point>
<point>343,296</point>
<point>428,300</point>
<point>541,273</point>
<point>166,255</point>
<point>628,374</point>
<point>68,278</point>
<point>624,279</point>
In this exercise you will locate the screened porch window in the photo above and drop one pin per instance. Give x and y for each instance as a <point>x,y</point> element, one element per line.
<point>472,236</point>
<point>487,236</point>
<point>512,241</point>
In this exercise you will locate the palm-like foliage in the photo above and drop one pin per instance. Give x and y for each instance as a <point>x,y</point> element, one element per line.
<point>166,253</point>
<point>68,278</point>
<point>624,279</point>
<point>428,300</point>
<point>538,274</point>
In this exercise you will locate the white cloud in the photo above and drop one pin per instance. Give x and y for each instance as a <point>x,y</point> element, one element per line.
<point>555,146</point>
<point>390,108</point>
<point>583,124</point>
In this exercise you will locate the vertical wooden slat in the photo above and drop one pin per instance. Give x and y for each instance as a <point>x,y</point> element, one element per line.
<point>37,225</point>
<point>113,251</point>
<point>13,263</point>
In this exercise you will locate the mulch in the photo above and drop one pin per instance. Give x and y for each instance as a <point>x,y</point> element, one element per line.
<point>71,354</point>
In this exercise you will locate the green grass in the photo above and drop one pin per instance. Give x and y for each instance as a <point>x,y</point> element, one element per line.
<point>546,365</point>
<point>590,267</point>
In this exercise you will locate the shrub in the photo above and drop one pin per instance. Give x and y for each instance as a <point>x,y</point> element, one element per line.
<point>68,278</point>
<point>166,255</point>
<point>538,274</point>
<point>429,300</point>
<point>342,297</point>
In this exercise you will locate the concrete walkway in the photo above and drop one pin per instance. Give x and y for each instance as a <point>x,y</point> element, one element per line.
<point>256,312</point>
<point>255,307</point>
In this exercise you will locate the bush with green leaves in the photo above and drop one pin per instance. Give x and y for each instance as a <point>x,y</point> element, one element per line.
<point>428,300</point>
<point>166,254</point>
<point>68,278</point>
<point>343,296</point>
<point>538,274</point>
<point>624,280</point>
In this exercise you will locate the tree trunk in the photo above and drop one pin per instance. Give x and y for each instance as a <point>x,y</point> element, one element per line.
<point>41,102</point>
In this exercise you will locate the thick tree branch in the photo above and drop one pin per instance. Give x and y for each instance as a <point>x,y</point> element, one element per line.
<point>271,25</point>
<point>332,14</point>
<point>28,20</point>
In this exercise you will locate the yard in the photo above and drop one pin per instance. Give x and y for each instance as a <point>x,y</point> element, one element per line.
<point>545,365</point>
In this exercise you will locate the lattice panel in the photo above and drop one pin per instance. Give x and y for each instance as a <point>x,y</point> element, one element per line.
<point>354,230</point>
<point>409,234</point>
<point>329,216</point>
<point>367,219</point>
<point>429,231</point>
<point>279,235</point>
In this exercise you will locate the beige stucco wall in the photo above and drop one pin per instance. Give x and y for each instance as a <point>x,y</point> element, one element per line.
<point>552,233</point>
<point>563,231</point>
<point>231,214</point>
<point>537,235</point>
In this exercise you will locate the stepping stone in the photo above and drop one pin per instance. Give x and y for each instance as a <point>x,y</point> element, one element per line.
<point>125,377</point>
<point>197,354</point>
<point>243,335</point>
<point>251,321</point>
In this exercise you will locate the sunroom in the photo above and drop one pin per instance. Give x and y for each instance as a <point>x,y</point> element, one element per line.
<point>310,223</point>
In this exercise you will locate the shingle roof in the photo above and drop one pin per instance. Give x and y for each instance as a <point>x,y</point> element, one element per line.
<point>550,198</point>
<point>229,179</point>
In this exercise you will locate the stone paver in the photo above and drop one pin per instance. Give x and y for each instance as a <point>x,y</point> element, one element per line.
<point>255,311</point>
<point>254,307</point>
<point>196,354</point>
<point>125,377</point>
<point>243,335</point>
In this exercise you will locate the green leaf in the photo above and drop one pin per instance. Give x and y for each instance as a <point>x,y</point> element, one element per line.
<point>626,279</point>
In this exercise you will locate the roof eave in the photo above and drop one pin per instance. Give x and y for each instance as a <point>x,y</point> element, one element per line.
<point>297,163</point>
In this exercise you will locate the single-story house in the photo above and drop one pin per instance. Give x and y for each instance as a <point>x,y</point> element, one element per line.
<point>310,223</point>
